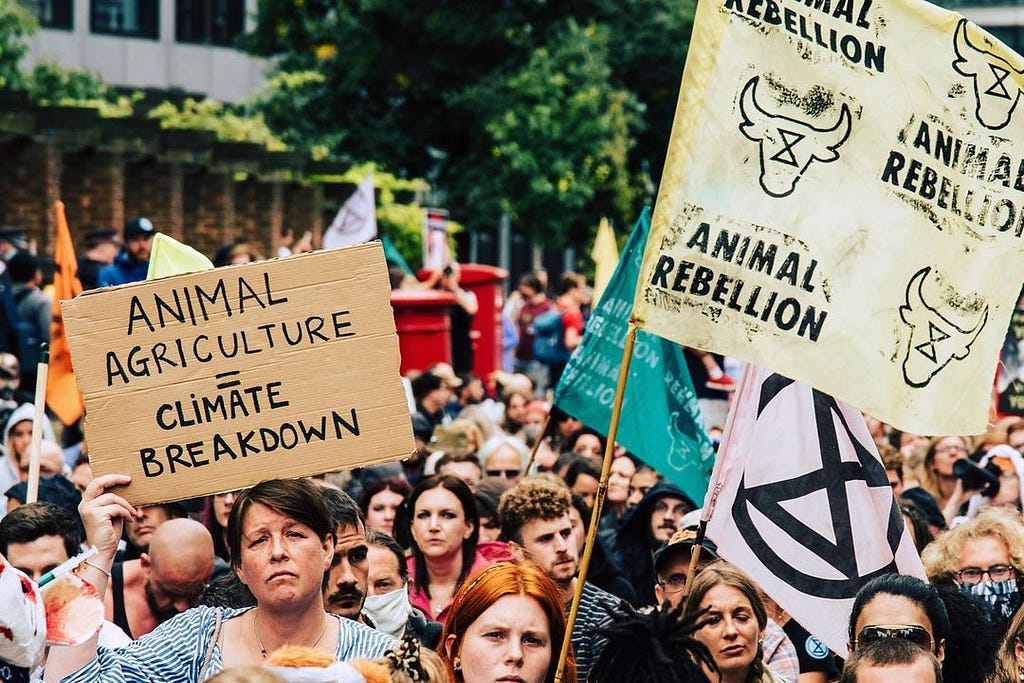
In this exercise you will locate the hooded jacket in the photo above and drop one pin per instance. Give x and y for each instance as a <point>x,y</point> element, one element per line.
<point>978,501</point>
<point>635,552</point>
<point>8,466</point>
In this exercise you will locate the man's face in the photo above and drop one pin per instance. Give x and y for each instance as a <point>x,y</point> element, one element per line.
<point>106,252</point>
<point>139,246</point>
<point>383,575</point>
<point>141,528</point>
<point>895,482</point>
<point>473,393</point>
<point>551,544</point>
<point>671,583</point>
<point>921,671</point>
<point>665,515</point>
<point>37,557</point>
<point>467,471</point>
<point>346,587</point>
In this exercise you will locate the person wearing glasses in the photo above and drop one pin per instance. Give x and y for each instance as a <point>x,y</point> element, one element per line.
<point>899,606</point>
<point>505,457</point>
<point>441,525</point>
<point>982,557</point>
<point>891,659</point>
<point>935,474</point>
<point>733,624</point>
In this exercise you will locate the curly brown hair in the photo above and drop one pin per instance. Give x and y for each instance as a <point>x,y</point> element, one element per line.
<point>532,498</point>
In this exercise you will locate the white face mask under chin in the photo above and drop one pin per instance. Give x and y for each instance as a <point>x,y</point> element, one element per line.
<point>390,611</point>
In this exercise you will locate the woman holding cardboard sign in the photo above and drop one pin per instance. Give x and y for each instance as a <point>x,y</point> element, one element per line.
<point>281,541</point>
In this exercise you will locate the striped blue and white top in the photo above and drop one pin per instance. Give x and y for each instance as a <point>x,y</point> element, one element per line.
<point>174,652</point>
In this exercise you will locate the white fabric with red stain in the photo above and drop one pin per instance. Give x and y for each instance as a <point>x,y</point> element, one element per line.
<point>22,620</point>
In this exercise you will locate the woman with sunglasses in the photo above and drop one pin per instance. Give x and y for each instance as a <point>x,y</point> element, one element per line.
<point>732,625</point>
<point>443,525</point>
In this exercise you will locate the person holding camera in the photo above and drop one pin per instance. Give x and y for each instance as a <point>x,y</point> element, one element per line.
<point>937,476</point>
<point>1000,473</point>
<point>447,279</point>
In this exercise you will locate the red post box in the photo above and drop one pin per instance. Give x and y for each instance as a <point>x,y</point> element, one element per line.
<point>487,282</point>
<point>424,328</point>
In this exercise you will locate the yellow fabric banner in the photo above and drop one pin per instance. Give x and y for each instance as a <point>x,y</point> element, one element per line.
<point>843,202</point>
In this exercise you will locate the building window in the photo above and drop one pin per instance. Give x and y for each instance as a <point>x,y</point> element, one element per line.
<point>210,22</point>
<point>51,13</point>
<point>135,18</point>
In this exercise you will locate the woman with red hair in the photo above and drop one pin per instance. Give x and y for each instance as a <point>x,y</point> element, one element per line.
<point>506,623</point>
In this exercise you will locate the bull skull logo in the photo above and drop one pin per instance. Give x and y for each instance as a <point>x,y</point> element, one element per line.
<point>935,340</point>
<point>788,146</point>
<point>995,89</point>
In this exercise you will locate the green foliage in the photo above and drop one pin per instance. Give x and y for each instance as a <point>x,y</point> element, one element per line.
<point>485,100</point>
<point>16,23</point>
<point>51,83</point>
<point>211,115</point>
<point>288,103</point>
<point>557,136</point>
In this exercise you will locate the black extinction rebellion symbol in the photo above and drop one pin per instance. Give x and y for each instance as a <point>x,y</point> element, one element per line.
<point>832,477</point>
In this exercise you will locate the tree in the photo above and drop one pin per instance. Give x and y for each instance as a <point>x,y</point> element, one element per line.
<point>15,25</point>
<point>408,86</point>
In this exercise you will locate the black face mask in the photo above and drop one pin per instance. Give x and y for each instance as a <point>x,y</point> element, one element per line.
<point>1001,597</point>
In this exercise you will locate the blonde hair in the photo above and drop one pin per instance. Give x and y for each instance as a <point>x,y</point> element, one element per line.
<point>247,674</point>
<point>942,557</point>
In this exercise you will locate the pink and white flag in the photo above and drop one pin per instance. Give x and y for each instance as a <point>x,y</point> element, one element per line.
<point>356,221</point>
<point>799,500</point>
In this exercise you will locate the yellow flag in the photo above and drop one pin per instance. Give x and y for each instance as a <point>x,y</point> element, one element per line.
<point>62,393</point>
<point>171,257</point>
<point>605,253</point>
<point>843,202</point>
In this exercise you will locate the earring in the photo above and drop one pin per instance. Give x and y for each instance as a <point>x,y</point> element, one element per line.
<point>457,666</point>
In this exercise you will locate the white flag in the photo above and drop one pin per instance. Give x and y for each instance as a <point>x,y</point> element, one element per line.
<point>356,221</point>
<point>800,501</point>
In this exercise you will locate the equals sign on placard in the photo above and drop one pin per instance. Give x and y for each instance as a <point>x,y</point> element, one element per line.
<point>230,383</point>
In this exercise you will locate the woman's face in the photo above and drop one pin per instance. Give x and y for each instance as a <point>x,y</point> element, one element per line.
<point>621,473</point>
<point>588,445</point>
<point>439,523</point>
<point>586,487</point>
<point>642,482</point>
<point>490,530</point>
<point>1009,489</point>
<point>282,560</point>
<point>984,552</point>
<point>510,641</point>
<point>732,632</point>
<point>222,503</point>
<point>947,451</point>
<point>894,610</point>
<point>380,514</point>
<point>515,409</point>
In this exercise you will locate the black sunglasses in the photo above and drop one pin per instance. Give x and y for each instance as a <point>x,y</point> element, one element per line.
<point>507,474</point>
<point>918,635</point>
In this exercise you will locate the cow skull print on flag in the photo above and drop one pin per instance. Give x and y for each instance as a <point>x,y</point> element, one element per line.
<point>843,201</point>
<point>799,500</point>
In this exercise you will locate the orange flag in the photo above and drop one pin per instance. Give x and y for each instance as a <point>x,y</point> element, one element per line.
<point>62,395</point>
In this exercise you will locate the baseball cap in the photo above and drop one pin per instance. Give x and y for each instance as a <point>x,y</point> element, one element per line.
<point>98,236</point>
<point>137,227</point>
<point>683,541</point>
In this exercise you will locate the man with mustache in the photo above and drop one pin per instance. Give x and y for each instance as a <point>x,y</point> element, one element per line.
<point>346,586</point>
<point>167,580</point>
<point>535,522</point>
<point>643,529</point>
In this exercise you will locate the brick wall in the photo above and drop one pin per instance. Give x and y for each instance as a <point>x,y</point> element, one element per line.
<point>203,207</point>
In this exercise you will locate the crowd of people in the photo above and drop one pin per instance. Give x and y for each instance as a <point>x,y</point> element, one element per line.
<point>460,562</point>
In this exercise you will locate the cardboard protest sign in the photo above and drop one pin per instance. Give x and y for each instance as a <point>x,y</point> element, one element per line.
<point>217,380</point>
<point>843,202</point>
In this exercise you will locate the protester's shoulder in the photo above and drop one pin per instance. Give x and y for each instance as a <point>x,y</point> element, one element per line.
<point>598,596</point>
<point>198,620</point>
<point>359,640</point>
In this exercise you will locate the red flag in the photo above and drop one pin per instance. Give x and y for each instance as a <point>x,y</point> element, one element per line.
<point>62,395</point>
<point>799,500</point>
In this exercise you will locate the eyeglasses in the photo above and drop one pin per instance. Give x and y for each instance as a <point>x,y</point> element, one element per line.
<point>918,635</point>
<point>673,584</point>
<point>950,449</point>
<point>997,573</point>
<point>507,474</point>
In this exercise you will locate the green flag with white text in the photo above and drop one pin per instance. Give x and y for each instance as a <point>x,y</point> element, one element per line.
<point>660,421</point>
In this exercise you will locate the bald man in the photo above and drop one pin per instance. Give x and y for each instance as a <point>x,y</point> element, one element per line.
<point>167,580</point>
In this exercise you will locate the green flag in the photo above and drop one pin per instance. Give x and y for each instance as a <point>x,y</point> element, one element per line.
<point>171,257</point>
<point>660,421</point>
<point>392,255</point>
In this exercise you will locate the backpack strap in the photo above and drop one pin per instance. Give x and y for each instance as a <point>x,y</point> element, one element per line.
<point>208,657</point>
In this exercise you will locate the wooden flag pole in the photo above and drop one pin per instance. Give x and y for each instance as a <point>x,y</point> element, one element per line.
<point>32,495</point>
<point>537,444</point>
<point>602,488</point>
